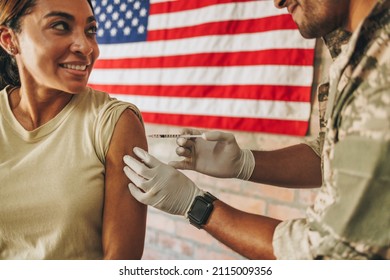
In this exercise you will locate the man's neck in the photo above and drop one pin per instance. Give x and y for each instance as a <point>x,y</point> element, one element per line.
<point>358,11</point>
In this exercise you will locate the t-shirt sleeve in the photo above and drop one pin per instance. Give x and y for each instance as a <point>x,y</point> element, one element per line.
<point>105,124</point>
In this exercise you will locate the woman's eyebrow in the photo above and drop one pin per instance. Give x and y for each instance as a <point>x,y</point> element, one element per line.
<point>91,19</point>
<point>67,16</point>
<point>60,14</point>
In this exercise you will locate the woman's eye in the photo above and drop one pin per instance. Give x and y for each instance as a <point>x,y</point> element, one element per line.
<point>92,30</point>
<point>60,26</point>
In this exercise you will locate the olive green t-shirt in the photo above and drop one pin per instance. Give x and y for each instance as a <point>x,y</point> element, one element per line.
<point>52,179</point>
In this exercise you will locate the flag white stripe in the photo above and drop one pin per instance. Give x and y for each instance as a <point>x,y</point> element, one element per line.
<point>238,75</point>
<point>208,44</point>
<point>240,108</point>
<point>215,13</point>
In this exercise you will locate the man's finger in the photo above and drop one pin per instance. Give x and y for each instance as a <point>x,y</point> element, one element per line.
<point>147,158</point>
<point>218,136</point>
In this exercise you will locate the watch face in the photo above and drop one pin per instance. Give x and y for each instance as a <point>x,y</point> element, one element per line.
<point>199,210</point>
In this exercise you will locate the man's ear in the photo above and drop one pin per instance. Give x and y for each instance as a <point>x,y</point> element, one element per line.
<point>7,38</point>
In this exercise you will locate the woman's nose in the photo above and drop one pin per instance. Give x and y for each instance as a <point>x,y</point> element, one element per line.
<point>82,45</point>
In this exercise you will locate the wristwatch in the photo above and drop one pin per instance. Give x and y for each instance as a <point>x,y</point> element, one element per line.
<point>201,209</point>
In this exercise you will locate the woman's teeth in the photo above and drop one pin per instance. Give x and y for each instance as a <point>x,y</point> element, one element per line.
<point>75,67</point>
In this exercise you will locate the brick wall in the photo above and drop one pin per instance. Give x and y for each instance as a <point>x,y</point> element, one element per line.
<point>170,237</point>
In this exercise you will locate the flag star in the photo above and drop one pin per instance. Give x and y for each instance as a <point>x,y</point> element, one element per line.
<point>121,23</point>
<point>141,29</point>
<point>98,10</point>
<point>110,8</point>
<point>127,30</point>
<point>143,12</point>
<point>107,24</point>
<point>102,17</point>
<point>113,32</point>
<point>123,7</point>
<point>137,5</point>
<point>117,2</point>
<point>115,16</point>
<point>135,22</point>
<point>104,2</point>
<point>100,32</point>
<point>129,14</point>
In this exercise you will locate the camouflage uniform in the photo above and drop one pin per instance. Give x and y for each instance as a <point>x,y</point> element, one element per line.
<point>350,218</point>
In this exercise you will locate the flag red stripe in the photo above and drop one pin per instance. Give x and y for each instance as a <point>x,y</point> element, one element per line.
<point>176,6</point>
<point>279,22</point>
<point>230,123</point>
<point>263,57</point>
<point>257,92</point>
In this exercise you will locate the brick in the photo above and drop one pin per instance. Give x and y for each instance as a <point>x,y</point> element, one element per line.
<point>244,203</point>
<point>161,221</point>
<point>180,246</point>
<point>283,212</point>
<point>276,193</point>
<point>307,197</point>
<point>151,237</point>
<point>228,185</point>
<point>154,254</point>
<point>207,253</point>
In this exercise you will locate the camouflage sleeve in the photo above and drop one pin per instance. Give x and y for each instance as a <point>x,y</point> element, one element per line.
<point>349,219</point>
<point>290,241</point>
<point>316,144</point>
<point>356,225</point>
<point>356,219</point>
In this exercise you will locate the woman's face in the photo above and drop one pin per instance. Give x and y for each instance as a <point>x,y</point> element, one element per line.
<point>57,45</point>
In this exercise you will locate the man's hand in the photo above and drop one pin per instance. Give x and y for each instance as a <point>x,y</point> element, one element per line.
<point>216,154</point>
<point>159,185</point>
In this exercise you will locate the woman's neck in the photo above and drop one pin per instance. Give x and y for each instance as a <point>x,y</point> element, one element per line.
<point>33,109</point>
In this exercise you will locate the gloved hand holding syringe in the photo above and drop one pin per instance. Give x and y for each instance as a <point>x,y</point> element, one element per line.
<point>213,153</point>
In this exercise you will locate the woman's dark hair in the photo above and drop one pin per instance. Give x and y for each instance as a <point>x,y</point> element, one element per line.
<point>11,13</point>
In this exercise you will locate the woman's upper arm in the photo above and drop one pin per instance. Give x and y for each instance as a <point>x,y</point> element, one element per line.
<point>124,218</point>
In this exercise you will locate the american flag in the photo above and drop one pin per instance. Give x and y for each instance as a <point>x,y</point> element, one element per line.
<point>217,64</point>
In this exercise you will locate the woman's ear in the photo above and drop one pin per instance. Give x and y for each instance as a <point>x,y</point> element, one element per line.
<point>7,37</point>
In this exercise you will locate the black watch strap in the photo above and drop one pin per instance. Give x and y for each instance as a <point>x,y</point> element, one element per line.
<point>201,209</point>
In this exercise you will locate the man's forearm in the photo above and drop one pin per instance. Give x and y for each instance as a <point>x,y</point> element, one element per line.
<point>293,167</point>
<point>248,234</point>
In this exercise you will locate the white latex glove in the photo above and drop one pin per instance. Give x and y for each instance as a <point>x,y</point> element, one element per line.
<point>216,154</point>
<point>159,185</point>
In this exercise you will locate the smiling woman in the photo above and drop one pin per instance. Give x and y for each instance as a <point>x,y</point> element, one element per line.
<point>63,193</point>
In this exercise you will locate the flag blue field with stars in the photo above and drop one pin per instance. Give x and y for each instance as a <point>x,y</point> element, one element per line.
<point>121,21</point>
